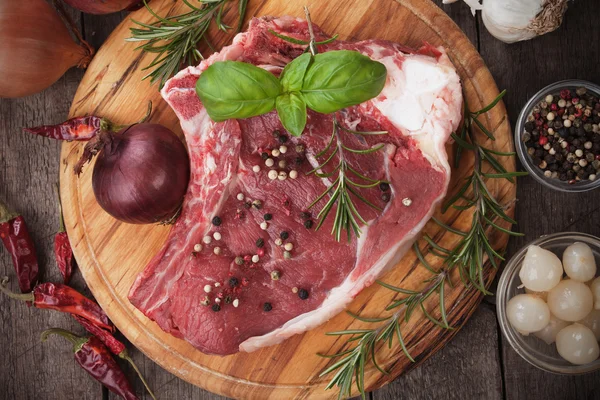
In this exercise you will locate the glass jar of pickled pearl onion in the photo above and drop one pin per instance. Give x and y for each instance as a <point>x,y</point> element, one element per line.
<point>540,348</point>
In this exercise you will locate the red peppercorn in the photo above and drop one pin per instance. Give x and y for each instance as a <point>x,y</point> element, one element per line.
<point>247,257</point>
<point>554,106</point>
<point>546,126</point>
<point>543,140</point>
<point>245,282</point>
<point>578,113</point>
<point>564,93</point>
<point>260,252</point>
<point>598,157</point>
<point>561,112</point>
<point>537,115</point>
<point>539,122</point>
<point>575,100</point>
<point>220,295</point>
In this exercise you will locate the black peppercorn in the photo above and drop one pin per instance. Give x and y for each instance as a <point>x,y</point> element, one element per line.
<point>384,186</point>
<point>539,153</point>
<point>267,307</point>
<point>216,221</point>
<point>284,235</point>
<point>529,126</point>
<point>233,281</point>
<point>260,242</point>
<point>299,160</point>
<point>247,205</point>
<point>282,139</point>
<point>216,307</point>
<point>268,217</point>
<point>303,294</point>
<point>308,224</point>
<point>264,156</point>
<point>276,133</point>
<point>228,299</point>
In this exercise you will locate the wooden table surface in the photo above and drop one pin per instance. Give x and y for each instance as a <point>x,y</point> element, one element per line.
<point>477,364</point>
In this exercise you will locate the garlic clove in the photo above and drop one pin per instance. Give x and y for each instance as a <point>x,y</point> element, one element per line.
<point>527,313</point>
<point>579,262</point>
<point>592,321</point>
<point>570,300</point>
<point>541,269</point>
<point>577,344</point>
<point>595,287</point>
<point>548,334</point>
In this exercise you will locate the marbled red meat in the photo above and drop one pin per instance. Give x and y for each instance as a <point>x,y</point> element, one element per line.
<point>219,306</point>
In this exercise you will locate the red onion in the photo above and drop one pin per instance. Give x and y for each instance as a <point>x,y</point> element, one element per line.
<point>141,173</point>
<point>104,6</point>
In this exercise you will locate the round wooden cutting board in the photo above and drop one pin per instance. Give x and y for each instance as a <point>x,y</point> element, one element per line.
<point>111,254</point>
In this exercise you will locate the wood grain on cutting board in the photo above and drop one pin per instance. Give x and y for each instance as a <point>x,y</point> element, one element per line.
<point>111,253</point>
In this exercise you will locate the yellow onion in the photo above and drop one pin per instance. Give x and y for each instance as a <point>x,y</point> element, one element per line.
<point>37,48</point>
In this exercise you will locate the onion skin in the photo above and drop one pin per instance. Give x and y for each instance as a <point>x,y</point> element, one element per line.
<point>102,6</point>
<point>141,174</point>
<point>37,48</point>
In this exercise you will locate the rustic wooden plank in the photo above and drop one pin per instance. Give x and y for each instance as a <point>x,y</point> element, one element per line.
<point>28,172</point>
<point>467,368</point>
<point>524,68</point>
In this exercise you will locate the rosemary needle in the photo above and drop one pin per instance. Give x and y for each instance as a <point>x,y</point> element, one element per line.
<point>175,39</point>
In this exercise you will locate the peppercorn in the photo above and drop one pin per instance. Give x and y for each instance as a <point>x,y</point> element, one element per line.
<point>267,307</point>
<point>308,224</point>
<point>282,139</point>
<point>260,242</point>
<point>216,221</point>
<point>216,307</point>
<point>299,160</point>
<point>303,294</point>
<point>247,205</point>
<point>384,186</point>
<point>239,260</point>
<point>264,156</point>
<point>228,299</point>
<point>257,204</point>
<point>233,281</point>
<point>284,235</point>
<point>268,217</point>
<point>275,275</point>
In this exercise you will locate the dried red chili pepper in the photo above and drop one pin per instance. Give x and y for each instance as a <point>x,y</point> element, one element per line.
<point>93,356</point>
<point>63,298</point>
<point>80,128</point>
<point>15,235</point>
<point>114,345</point>
<point>63,252</point>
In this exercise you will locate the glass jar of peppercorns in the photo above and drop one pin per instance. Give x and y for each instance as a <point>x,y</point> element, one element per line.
<point>557,136</point>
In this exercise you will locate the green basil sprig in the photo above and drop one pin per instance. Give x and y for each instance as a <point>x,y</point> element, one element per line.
<point>325,83</point>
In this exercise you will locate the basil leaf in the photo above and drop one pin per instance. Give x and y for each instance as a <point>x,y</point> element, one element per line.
<point>342,78</point>
<point>292,76</point>
<point>292,112</point>
<point>233,89</point>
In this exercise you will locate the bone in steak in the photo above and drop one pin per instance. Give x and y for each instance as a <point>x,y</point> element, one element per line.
<point>221,307</point>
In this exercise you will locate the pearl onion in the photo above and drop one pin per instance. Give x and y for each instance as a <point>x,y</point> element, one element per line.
<point>527,313</point>
<point>595,286</point>
<point>541,295</point>
<point>548,334</point>
<point>579,262</point>
<point>570,300</point>
<point>592,321</point>
<point>577,344</point>
<point>541,269</point>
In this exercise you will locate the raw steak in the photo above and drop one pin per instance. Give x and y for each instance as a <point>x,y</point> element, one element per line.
<point>221,307</point>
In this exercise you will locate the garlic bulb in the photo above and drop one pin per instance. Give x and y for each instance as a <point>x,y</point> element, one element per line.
<point>515,20</point>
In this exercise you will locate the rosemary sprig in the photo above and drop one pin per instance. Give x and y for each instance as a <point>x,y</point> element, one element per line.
<point>175,39</point>
<point>345,188</point>
<point>469,257</point>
